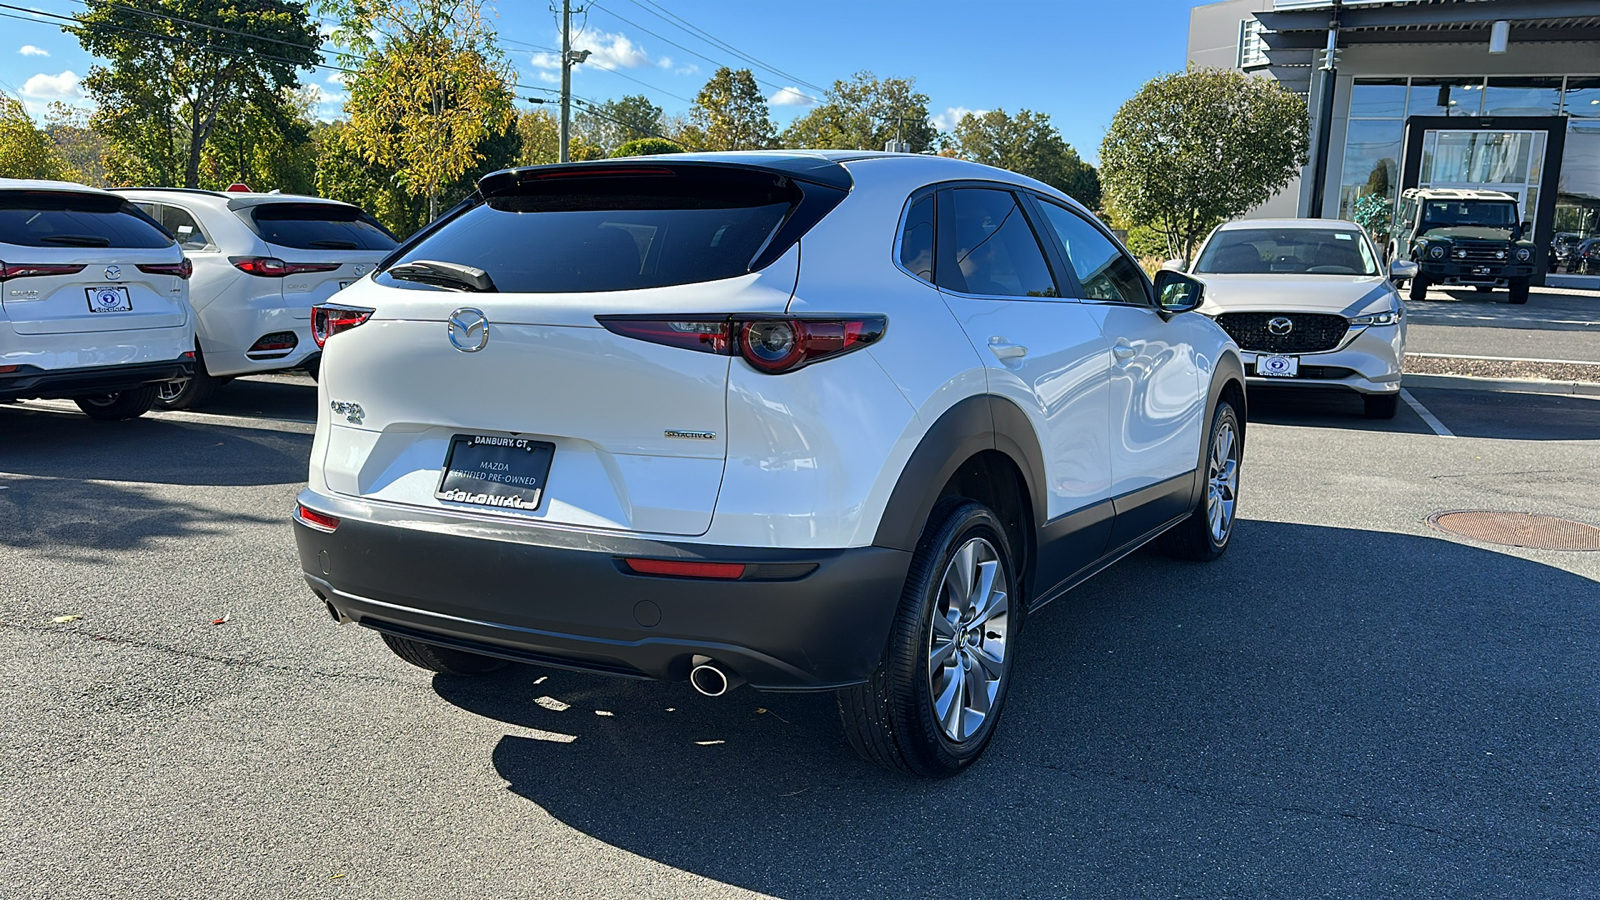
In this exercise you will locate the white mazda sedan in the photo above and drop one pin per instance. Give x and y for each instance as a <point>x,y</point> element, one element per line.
<point>1310,305</point>
<point>832,421</point>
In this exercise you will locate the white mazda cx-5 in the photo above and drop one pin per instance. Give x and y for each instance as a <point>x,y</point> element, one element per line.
<point>803,420</point>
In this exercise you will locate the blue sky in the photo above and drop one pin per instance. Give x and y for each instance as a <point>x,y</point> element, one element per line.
<point>1073,59</point>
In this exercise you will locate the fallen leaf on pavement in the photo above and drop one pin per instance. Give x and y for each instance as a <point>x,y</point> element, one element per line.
<point>223,620</point>
<point>62,620</point>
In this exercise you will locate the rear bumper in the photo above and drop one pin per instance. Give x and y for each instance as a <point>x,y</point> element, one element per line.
<point>32,382</point>
<point>1464,273</point>
<point>798,620</point>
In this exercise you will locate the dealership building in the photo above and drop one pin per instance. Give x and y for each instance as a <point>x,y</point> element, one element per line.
<point>1490,94</point>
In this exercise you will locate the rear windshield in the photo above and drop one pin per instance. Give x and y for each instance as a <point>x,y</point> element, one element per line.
<point>319,226</point>
<point>76,219</point>
<point>1290,251</point>
<point>615,232</point>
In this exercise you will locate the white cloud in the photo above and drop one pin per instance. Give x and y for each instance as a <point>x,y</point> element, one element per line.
<point>613,51</point>
<point>31,50</point>
<point>52,87</point>
<point>947,120</point>
<point>791,96</point>
<point>690,69</point>
<point>664,62</point>
<point>545,60</point>
<point>339,78</point>
<point>549,78</point>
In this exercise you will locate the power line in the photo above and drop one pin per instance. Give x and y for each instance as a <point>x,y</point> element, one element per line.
<point>612,70</point>
<point>683,24</point>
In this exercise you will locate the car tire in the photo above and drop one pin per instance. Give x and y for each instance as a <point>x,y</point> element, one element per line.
<point>1519,291</point>
<point>130,404</point>
<point>960,604</point>
<point>443,660</point>
<point>313,368</point>
<point>1419,289</point>
<point>1380,406</point>
<point>192,392</point>
<point>1205,534</point>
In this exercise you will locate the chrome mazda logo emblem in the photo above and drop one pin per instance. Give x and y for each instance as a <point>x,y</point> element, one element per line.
<point>1281,325</point>
<point>113,273</point>
<point>359,271</point>
<point>469,330</point>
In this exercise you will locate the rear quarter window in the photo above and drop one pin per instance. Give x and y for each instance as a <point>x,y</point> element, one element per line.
<point>318,226</point>
<point>76,219</point>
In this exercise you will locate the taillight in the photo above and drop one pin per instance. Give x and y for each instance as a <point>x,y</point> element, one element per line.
<point>684,568</point>
<point>9,271</point>
<point>314,520</point>
<point>182,270</point>
<point>273,267</point>
<point>772,345</point>
<point>329,319</point>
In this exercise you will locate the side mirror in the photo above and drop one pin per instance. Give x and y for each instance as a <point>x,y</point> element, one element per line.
<point>1172,265</point>
<point>1177,292</point>
<point>1402,270</point>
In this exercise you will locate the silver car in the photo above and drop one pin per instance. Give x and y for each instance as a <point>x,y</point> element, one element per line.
<point>1310,305</point>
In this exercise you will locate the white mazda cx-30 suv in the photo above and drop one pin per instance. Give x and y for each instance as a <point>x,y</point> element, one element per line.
<point>807,421</point>
<point>261,261</point>
<point>93,300</point>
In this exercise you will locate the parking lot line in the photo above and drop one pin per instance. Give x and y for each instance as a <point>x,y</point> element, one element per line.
<point>1430,418</point>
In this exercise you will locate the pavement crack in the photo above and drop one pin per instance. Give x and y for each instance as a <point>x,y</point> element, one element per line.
<point>230,661</point>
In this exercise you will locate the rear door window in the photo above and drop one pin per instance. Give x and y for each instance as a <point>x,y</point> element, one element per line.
<point>318,226</point>
<point>76,219</point>
<point>579,233</point>
<point>993,251</point>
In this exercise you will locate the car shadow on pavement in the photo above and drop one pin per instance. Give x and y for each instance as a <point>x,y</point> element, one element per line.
<point>1544,311</point>
<point>44,442</point>
<point>1324,711</point>
<point>1326,409</point>
<point>1500,415</point>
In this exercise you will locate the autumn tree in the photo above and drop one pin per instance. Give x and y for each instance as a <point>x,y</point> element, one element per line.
<point>82,149</point>
<point>865,113</point>
<point>173,67</point>
<point>1029,145</point>
<point>430,86</point>
<point>731,113</point>
<point>1194,149</point>
<point>613,123</point>
<point>25,151</point>
<point>650,146</point>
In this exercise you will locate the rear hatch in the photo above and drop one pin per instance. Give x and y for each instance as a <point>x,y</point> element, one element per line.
<point>328,245</point>
<point>72,265</point>
<point>637,428</point>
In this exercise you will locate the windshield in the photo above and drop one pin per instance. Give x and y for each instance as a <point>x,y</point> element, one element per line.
<point>1291,251</point>
<point>1486,213</point>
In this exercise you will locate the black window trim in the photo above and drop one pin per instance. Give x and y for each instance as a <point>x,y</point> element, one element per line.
<point>1055,243</point>
<point>944,239</point>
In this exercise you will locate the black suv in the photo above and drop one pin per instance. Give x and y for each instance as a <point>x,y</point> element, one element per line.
<point>1463,237</point>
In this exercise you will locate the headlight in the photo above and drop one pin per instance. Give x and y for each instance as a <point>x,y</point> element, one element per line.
<point>1387,318</point>
<point>1523,253</point>
<point>1436,251</point>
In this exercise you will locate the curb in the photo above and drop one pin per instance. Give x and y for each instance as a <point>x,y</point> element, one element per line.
<point>1500,385</point>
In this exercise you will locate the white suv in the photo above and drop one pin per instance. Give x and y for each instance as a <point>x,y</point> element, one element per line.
<point>261,261</point>
<point>811,421</point>
<point>93,300</point>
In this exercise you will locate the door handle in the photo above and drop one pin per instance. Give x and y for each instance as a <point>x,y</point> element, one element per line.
<point>1123,350</point>
<point>1004,349</point>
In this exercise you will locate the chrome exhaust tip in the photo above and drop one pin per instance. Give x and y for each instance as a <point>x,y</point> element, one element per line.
<point>709,680</point>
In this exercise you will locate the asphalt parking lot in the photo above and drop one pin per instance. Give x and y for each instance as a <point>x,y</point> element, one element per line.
<point>1553,324</point>
<point>1348,704</point>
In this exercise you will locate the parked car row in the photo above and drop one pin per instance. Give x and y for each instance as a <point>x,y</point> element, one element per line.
<point>124,300</point>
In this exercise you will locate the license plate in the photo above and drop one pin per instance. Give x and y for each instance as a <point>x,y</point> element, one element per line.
<point>108,299</point>
<point>1277,366</point>
<point>1480,270</point>
<point>343,285</point>
<point>482,470</point>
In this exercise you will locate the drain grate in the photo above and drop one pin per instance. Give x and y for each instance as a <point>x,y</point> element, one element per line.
<point>1518,529</point>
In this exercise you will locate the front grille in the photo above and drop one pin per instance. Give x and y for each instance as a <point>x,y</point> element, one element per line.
<point>1309,332</point>
<point>1479,252</point>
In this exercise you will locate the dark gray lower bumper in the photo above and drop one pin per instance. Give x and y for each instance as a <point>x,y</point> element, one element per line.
<point>32,382</point>
<point>566,600</point>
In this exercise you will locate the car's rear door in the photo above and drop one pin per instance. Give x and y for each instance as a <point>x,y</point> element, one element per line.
<point>73,265</point>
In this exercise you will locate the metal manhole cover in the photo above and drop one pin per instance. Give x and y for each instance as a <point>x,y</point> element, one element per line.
<point>1518,529</point>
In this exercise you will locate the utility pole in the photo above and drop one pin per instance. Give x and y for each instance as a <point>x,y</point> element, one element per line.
<point>568,60</point>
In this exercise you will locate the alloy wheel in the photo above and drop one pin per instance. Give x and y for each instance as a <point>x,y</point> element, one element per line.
<point>967,640</point>
<point>1222,489</point>
<point>169,391</point>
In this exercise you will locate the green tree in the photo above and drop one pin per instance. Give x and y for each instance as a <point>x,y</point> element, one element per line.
<point>25,151</point>
<point>1198,148</point>
<point>267,148</point>
<point>175,66</point>
<point>731,113</point>
<point>432,88</point>
<point>538,137</point>
<point>650,146</point>
<point>613,123</point>
<point>864,113</point>
<point>1029,145</point>
<point>82,149</point>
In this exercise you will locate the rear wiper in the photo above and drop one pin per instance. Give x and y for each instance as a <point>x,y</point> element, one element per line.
<point>445,274</point>
<point>335,245</point>
<point>76,240</point>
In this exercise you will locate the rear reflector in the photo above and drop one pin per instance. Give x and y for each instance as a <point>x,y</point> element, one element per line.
<point>314,520</point>
<point>7,370</point>
<point>680,568</point>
